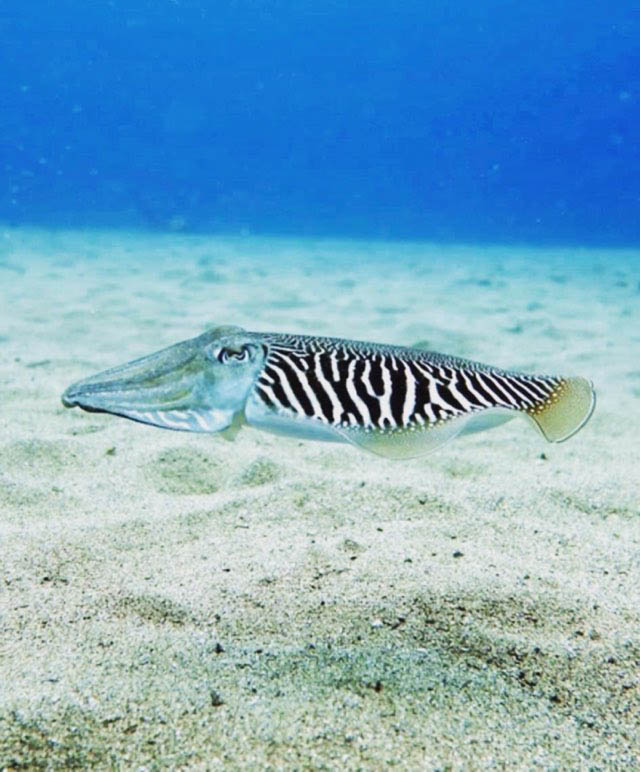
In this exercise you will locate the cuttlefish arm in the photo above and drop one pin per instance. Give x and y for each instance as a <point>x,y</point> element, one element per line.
<point>394,401</point>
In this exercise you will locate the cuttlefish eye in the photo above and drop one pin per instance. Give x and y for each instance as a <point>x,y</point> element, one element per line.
<point>227,355</point>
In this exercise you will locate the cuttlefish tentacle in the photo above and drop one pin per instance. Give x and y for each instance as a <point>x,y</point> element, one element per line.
<point>395,401</point>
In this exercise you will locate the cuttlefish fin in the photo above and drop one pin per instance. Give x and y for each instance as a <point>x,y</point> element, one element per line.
<point>405,443</point>
<point>566,411</point>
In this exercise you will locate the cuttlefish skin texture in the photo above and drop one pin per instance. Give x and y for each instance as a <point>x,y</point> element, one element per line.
<point>396,401</point>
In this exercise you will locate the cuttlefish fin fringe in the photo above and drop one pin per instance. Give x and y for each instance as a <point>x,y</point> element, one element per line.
<point>405,443</point>
<point>566,411</point>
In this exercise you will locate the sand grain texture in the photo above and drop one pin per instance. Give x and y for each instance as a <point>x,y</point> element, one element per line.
<point>171,600</point>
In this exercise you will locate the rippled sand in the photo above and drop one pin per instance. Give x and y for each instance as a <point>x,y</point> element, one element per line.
<point>271,603</point>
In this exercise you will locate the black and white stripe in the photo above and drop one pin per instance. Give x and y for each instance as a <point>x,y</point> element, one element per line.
<point>348,384</point>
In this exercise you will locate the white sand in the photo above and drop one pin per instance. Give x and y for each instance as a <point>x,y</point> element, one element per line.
<point>477,608</point>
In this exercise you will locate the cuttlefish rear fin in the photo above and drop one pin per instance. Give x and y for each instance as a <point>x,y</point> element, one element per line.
<point>560,416</point>
<point>566,411</point>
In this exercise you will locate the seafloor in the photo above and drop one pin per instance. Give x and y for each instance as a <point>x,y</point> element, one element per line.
<point>172,600</point>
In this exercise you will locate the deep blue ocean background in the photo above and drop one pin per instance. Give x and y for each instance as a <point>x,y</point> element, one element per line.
<point>457,121</point>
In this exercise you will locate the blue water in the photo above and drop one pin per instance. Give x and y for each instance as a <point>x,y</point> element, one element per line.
<point>472,121</point>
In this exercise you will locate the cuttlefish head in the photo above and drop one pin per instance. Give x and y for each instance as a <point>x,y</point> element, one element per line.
<point>198,385</point>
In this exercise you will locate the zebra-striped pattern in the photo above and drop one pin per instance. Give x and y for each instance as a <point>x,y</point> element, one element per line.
<point>386,388</point>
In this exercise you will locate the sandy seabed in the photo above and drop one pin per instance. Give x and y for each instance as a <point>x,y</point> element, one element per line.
<point>171,600</point>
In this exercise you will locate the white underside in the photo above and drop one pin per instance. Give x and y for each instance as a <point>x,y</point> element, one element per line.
<point>488,419</point>
<point>260,417</point>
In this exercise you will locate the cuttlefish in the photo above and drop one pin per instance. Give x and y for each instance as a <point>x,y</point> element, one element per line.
<point>396,401</point>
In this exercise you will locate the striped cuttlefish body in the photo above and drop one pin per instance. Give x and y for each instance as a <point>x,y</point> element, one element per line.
<point>396,401</point>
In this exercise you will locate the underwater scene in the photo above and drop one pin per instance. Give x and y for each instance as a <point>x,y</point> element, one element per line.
<point>274,279</point>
